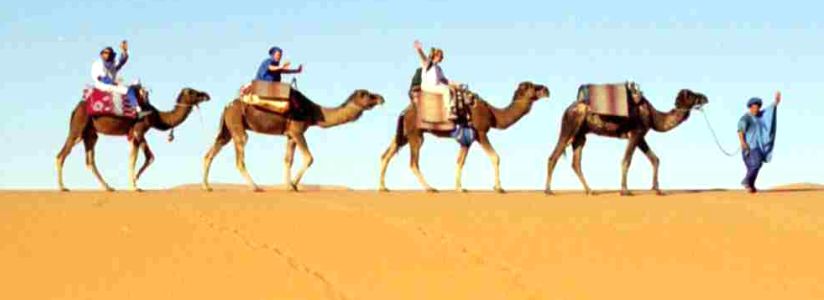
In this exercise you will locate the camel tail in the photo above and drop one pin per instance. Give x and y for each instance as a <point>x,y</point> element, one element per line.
<point>400,137</point>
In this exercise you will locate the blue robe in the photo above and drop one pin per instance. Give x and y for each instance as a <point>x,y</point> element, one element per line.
<point>759,131</point>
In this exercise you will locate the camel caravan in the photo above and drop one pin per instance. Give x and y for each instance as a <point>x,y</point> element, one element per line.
<point>438,106</point>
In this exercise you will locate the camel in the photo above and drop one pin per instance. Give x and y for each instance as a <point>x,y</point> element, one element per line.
<point>484,117</point>
<point>238,117</point>
<point>85,128</point>
<point>578,121</point>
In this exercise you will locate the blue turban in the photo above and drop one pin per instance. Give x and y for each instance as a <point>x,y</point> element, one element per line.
<point>755,101</point>
<point>275,49</point>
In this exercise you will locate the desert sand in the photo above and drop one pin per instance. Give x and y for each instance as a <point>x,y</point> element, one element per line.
<point>339,244</point>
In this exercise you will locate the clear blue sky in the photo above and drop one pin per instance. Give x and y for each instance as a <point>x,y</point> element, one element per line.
<point>729,51</point>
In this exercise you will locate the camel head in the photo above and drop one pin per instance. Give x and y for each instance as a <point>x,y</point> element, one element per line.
<point>365,99</point>
<point>688,99</point>
<point>190,96</point>
<point>531,91</point>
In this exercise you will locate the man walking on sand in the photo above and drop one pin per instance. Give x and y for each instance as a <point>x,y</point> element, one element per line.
<point>756,132</point>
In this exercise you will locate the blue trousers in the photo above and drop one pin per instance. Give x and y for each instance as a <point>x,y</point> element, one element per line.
<point>754,159</point>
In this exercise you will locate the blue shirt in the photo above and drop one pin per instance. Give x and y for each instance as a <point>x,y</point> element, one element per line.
<point>263,72</point>
<point>759,130</point>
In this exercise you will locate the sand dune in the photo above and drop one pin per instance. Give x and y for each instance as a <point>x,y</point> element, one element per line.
<point>234,244</point>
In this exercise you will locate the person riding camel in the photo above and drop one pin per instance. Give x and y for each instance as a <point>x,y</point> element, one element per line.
<point>104,74</point>
<point>432,76</point>
<point>271,69</point>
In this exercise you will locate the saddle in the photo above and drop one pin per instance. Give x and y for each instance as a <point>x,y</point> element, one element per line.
<point>442,111</point>
<point>269,96</point>
<point>103,103</point>
<point>611,99</point>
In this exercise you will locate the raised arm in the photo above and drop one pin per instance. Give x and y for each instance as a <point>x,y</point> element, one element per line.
<point>421,54</point>
<point>124,47</point>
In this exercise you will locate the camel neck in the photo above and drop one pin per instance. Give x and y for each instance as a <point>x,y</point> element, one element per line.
<point>330,117</point>
<point>173,118</point>
<point>664,122</point>
<point>511,114</point>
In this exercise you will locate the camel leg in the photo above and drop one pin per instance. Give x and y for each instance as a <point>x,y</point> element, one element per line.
<point>77,124</point>
<point>459,169</point>
<point>240,157</point>
<point>385,159</point>
<point>222,139</point>
<point>578,149</point>
<point>89,141</point>
<point>148,156</point>
<point>71,141</point>
<point>574,117</point>
<point>632,143</point>
<point>288,158</point>
<point>415,143</point>
<point>653,159</point>
<point>493,156</point>
<point>132,162</point>
<point>307,158</point>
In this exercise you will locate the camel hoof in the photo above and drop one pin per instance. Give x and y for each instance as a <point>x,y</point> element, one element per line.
<point>137,190</point>
<point>549,192</point>
<point>207,188</point>
<point>383,189</point>
<point>499,190</point>
<point>431,190</point>
<point>108,189</point>
<point>292,188</point>
<point>589,193</point>
<point>257,189</point>
<point>626,193</point>
<point>461,190</point>
<point>659,192</point>
<point>62,189</point>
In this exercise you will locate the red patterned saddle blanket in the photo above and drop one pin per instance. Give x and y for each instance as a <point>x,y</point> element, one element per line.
<point>102,103</point>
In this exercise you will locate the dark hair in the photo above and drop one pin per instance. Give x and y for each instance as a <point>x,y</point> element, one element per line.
<point>112,54</point>
<point>275,49</point>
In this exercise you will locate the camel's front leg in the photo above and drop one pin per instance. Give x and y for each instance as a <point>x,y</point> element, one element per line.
<point>134,144</point>
<point>240,161</point>
<point>148,156</point>
<point>653,159</point>
<point>632,143</point>
<point>71,141</point>
<point>288,158</point>
<point>89,142</point>
<point>307,158</point>
<point>415,143</point>
<point>459,169</point>
<point>493,156</point>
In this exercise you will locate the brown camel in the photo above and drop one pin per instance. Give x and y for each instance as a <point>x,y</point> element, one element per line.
<point>578,121</point>
<point>484,117</point>
<point>238,117</point>
<point>83,127</point>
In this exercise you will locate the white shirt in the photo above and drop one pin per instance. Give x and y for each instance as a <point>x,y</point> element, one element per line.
<point>433,76</point>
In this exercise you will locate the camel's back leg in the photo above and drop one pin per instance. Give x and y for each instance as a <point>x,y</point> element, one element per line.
<point>89,141</point>
<point>653,159</point>
<point>570,126</point>
<point>77,123</point>
<point>397,143</point>
<point>577,151</point>
<point>223,138</point>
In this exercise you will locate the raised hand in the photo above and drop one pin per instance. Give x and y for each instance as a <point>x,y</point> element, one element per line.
<point>777,97</point>
<point>417,45</point>
<point>124,45</point>
<point>300,68</point>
